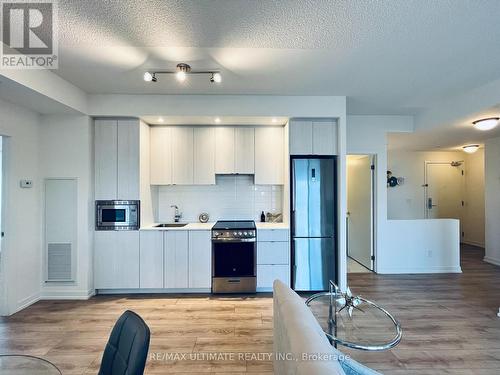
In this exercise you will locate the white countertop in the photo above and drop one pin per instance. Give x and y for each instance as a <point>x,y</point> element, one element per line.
<point>260,225</point>
<point>188,226</point>
<point>208,226</point>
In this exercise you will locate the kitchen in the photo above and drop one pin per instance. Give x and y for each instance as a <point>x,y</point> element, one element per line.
<point>202,189</point>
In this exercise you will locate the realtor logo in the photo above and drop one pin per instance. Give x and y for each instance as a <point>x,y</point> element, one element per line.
<point>29,34</point>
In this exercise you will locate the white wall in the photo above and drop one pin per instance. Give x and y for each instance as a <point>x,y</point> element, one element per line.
<point>408,200</point>
<point>492,200</point>
<point>473,220</point>
<point>421,246</point>
<point>21,253</point>
<point>233,197</point>
<point>368,135</point>
<point>66,150</point>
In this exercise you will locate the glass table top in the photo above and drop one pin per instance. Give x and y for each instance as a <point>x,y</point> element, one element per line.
<point>370,327</point>
<point>26,365</point>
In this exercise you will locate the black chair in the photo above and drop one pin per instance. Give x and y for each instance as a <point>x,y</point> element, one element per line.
<point>127,348</point>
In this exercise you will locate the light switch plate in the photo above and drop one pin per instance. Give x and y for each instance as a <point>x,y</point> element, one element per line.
<point>26,184</point>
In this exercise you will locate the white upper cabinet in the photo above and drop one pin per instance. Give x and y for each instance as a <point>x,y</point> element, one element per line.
<point>204,156</point>
<point>224,150</point>
<point>301,137</point>
<point>106,159</point>
<point>313,137</point>
<point>182,155</point>
<point>117,159</point>
<point>324,137</point>
<point>161,155</point>
<point>244,150</point>
<point>128,160</point>
<point>269,158</point>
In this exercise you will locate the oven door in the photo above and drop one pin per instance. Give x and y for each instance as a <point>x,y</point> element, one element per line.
<point>233,258</point>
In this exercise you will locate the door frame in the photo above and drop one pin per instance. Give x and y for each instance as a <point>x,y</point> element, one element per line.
<point>374,227</point>
<point>426,182</point>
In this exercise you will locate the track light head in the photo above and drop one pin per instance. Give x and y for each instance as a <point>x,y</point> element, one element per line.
<point>216,77</point>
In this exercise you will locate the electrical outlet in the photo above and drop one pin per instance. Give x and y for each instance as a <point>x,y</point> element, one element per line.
<point>429,253</point>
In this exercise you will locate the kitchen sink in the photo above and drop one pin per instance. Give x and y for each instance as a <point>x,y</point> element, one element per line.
<point>171,225</point>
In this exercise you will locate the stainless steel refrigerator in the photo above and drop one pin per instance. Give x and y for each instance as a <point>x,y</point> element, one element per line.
<point>313,219</point>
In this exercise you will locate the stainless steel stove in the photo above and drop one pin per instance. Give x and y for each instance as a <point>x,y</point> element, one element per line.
<point>234,257</point>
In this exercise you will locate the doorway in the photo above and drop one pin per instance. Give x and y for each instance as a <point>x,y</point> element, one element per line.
<point>444,190</point>
<point>360,213</point>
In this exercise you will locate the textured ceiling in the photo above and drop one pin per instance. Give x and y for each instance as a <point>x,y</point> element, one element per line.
<point>394,56</point>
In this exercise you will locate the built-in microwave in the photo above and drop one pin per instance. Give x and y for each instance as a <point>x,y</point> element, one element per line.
<point>117,215</point>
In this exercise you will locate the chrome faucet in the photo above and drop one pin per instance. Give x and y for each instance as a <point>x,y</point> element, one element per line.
<point>177,214</point>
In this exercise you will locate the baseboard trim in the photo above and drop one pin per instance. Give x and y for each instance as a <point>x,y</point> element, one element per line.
<point>25,302</point>
<point>491,260</point>
<point>61,294</point>
<point>153,291</point>
<point>389,271</point>
<point>473,243</point>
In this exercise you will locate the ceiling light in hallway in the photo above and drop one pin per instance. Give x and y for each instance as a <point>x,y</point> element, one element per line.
<point>470,149</point>
<point>181,72</point>
<point>486,123</point>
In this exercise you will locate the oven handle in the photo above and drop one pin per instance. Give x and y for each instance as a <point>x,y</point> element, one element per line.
<point>222,240</point>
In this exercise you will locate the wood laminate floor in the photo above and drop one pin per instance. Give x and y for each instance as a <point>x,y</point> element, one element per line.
<point>450,326</point>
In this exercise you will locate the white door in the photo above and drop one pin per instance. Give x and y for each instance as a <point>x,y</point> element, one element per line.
<point>161,155</point>
<point>444,190</point>
<point>360,209</point>
<point>182,155</point>
<point>204,156</point>
<point>224,150</point>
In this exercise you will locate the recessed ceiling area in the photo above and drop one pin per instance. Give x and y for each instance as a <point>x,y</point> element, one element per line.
<point>214,120</point>
<point>392,57</point>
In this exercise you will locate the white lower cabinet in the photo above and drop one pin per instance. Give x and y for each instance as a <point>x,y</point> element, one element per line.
<point>116,259</point>
<point>176,247</point>
<point>273,258</point>
<point>267,273</point>
<point>200,259</point>
<point>151,259</point>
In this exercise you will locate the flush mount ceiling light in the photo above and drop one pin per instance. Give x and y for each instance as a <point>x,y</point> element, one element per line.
<point>217,120</point>
<point>181,73</point>
<point>486,123</point>
<point>470,149</point>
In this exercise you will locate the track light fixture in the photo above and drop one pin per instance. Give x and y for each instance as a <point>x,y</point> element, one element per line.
<point>181,73</point>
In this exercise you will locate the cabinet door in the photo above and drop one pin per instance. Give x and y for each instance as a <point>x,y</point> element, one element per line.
<point>161,155</point>
<point>204,156</point>
<point>200,259</point>
<point>106,159</point>
<point>224,150</point>
<point>116,259</point>
<point>128,160</point>
<point>151,259</point>
<point>176,259</point>
<point>273,253</point>
<point>266,274</point>
<point>269,158</point>
<point>182,155</point>
<point>324,138</point>
<point>301,137</point>
<point>244,150</point>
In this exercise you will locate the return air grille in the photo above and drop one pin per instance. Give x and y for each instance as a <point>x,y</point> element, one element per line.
<point>59,262</point>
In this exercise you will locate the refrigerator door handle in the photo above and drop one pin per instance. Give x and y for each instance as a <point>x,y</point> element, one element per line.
<point>293,199</point>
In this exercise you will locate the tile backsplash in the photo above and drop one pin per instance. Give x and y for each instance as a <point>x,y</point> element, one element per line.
<point>234,197</point>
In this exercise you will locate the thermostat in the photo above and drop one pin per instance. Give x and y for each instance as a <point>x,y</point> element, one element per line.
<point>26,184</point>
